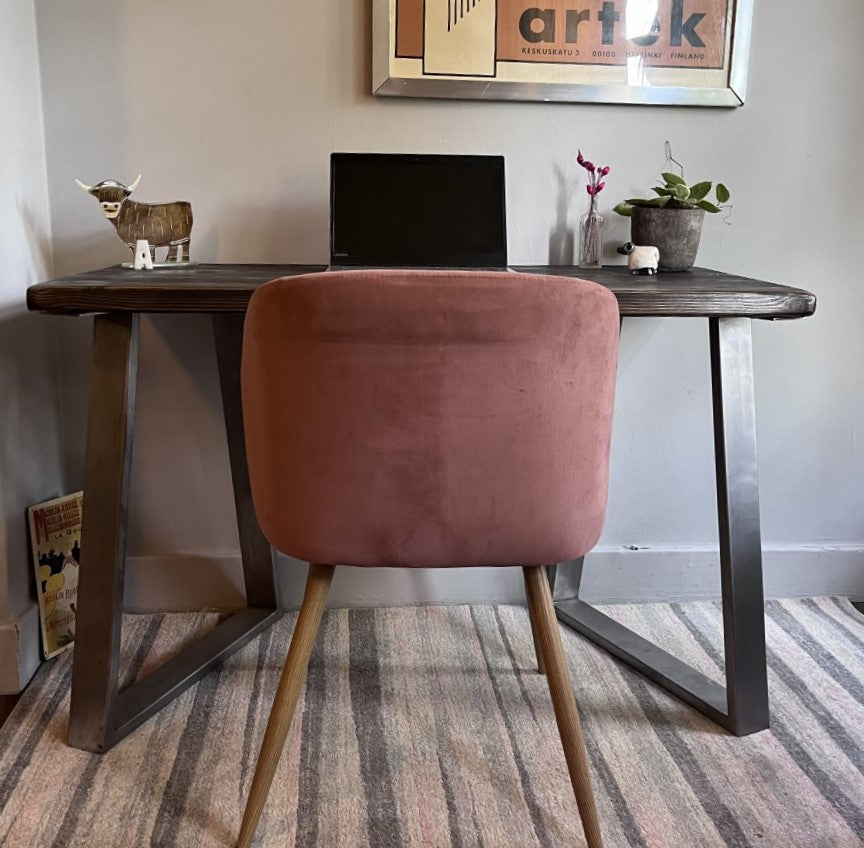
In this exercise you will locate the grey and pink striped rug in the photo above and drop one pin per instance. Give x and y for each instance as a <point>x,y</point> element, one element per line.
<point>427,726</point>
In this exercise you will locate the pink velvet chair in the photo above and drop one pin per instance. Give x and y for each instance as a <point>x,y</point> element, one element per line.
<point>429,419</point>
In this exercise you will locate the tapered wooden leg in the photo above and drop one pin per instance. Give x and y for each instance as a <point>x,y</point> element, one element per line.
<point>563,700</point>
<point>282,713</point>
<point>541,666</point>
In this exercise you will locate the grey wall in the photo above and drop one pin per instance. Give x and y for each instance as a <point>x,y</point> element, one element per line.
<point>236,108</point>
<point>30,439</point>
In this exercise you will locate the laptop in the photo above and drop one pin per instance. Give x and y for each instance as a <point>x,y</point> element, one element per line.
<point>412,210</point>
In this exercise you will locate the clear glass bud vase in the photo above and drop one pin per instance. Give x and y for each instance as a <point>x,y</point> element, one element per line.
<point>591,239</point>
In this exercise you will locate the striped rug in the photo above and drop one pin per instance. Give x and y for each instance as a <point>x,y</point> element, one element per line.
<point>428,726</point>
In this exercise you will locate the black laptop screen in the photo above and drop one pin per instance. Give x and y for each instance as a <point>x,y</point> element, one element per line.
<point>388,209</point>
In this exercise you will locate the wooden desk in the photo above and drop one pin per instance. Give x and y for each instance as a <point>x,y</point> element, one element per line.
<point>101,715</point>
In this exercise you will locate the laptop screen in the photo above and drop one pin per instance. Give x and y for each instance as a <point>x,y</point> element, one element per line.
<point>394,209</point>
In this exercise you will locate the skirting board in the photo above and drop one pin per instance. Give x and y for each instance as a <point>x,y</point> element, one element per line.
<point>612,575</point>
<point>19,650</point>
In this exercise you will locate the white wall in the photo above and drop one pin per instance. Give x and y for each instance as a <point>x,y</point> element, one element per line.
<point>30,463</point>
<point>236,108</point>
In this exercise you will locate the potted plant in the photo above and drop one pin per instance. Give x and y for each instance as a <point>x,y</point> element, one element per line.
<point>672,221</point>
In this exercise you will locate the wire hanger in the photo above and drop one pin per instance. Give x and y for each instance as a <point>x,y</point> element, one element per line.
<point>671,159</point>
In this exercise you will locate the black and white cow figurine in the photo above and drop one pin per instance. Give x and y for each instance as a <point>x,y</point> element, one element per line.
<point>641,259</point>
<point>160,224</point>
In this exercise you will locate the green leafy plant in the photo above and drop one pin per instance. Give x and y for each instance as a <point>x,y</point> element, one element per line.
<point>676,194</point>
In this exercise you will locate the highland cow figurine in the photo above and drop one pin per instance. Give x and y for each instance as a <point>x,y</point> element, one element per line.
<point>160,224</point>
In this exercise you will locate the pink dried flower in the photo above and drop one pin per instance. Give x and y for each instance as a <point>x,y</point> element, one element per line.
<point>591,190</point>
<point>605,170</point>
<point>580,158</point>
<point>599,188</point>
<point>589,166</point>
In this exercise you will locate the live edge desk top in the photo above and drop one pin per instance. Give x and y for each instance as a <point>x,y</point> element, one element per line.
<point>227,288</point>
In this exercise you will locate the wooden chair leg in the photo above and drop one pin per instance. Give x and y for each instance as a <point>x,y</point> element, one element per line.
<point>541,665</point>
<point>282,713</point>
<point>563,700</point>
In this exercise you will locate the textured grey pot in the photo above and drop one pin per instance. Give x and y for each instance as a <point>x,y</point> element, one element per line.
<point>674,232</point>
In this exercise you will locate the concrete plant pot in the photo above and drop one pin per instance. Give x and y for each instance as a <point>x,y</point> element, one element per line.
<point>674,232</point>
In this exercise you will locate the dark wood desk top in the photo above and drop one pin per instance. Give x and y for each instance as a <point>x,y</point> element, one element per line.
<point>227,288</point>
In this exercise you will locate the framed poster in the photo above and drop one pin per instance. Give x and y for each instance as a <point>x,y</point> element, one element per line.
<point>679,52</point>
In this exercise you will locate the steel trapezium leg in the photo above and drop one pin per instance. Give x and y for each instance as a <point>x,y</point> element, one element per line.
<point>100,715</point>
<point>565,578</point>
<point>741,707</point>
<point>255,550</point>
<point>103,537</point>
<point>738,517</point>
<point>552,576</point>
<point>146,697</point>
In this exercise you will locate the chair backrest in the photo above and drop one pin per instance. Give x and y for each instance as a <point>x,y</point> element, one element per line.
<point>430,418</point>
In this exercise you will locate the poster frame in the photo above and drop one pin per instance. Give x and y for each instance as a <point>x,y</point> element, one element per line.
<point>385,83</point>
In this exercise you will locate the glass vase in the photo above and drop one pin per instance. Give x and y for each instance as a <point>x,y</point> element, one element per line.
<point>591,239</point>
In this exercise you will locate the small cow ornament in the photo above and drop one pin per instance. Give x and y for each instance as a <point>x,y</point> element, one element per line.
<point>160,224</point>
<point>641,259</point>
